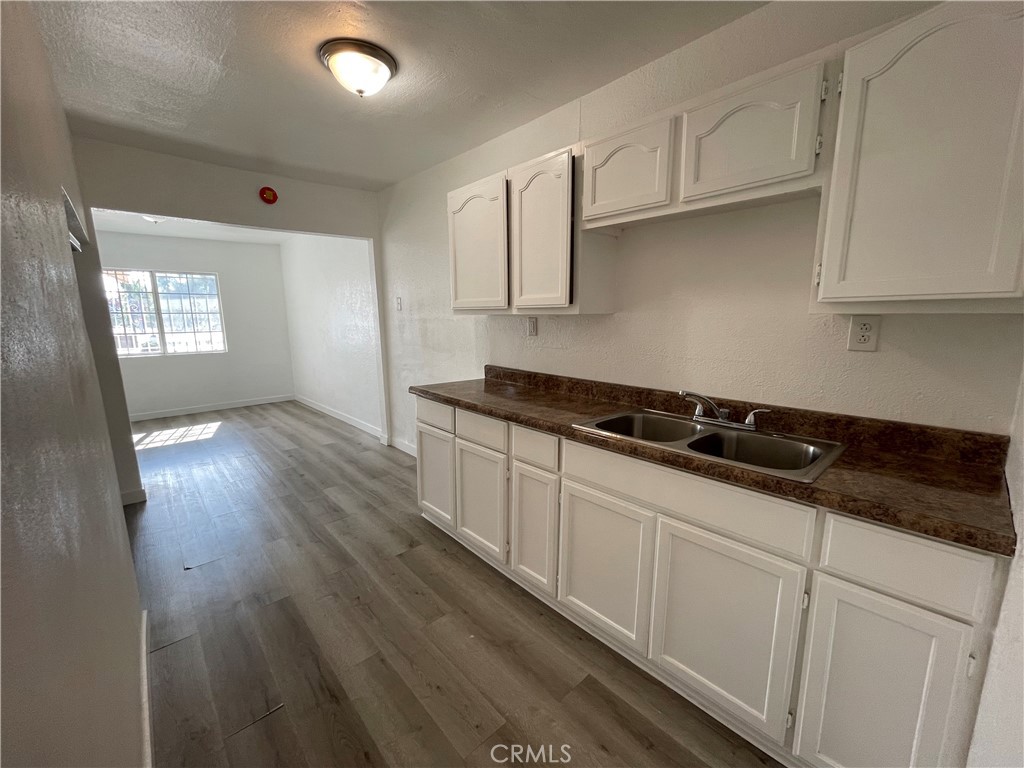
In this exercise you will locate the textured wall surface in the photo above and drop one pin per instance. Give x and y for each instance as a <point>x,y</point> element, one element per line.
<point>257,366</point>
<point>104,353</point>
<point>717,303</point>
<point>126,179</point>
<point>332,323</point>
<point>998,735</point>
<point>71,616</point>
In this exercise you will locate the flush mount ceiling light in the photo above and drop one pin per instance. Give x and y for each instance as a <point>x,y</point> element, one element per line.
<point>361,67</point>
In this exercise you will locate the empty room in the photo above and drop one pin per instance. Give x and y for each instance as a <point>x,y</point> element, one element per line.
<point>437,384</point>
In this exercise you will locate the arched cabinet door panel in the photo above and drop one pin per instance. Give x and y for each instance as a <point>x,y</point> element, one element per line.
<point>763,135</point>
<point>478,245</point>
<point>627,172</point>
<point>541,231</point>
<point>926,196</point>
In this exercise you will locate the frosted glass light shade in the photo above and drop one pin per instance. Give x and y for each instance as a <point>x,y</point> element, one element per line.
<point>360,67</point>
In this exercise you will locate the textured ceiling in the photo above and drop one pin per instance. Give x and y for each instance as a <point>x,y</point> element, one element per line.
<point>240,84</point>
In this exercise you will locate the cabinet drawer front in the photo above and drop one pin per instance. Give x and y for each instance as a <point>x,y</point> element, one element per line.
<point>726,622</point>
<point>940,576</point>
<point>777,524</point>
<point>764,134</point>
<point>484,430</point>
<point>605,563</point>
<point>879,679</point>
<point>628,171</point>
<point>535,447</point>
<point>435,414</point>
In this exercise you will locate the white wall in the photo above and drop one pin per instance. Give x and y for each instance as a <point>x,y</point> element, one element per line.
<point>332,322</point>
<point>718,303</point>
<point>999,734</point>
<point>257,366</point>
<point>127,179</point>
<point>72,692</point>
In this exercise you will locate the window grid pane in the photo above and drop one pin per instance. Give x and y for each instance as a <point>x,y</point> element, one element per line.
<point>189,308</point>
<point>190,305</point>
<point>132,312</point>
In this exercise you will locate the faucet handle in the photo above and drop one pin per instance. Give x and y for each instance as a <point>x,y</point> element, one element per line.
<point>699,410</point>
<point>751,419</point>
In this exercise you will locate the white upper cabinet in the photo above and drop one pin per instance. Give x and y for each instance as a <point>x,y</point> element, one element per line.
<point>726,622</point>
<point>628,171</point>
<point>478,245</point>
<point>541,231</point>
<point>762,135</point>
<point>879,680</point>
<point>926,193</point>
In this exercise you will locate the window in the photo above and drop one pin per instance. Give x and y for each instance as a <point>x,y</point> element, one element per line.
<point>156,313</point>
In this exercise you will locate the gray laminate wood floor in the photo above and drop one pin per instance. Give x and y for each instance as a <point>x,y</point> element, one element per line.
<point>302,613</point>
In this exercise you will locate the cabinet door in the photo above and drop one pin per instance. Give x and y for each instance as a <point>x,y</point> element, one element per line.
<point>478,245</point>
<point>926,195</point>
<point>726,622</point>
<point>533,525</point>
<point>481,480</point>
<point>606,549</point>
<point>435,473</point>
<point>541,231</point>
<point>763,135</point>
<point>878,679</point>
<point>627,172</point>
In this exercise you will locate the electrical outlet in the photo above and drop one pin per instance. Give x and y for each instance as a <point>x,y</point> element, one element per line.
<point>531,326</point>
<point>864,330</point>
<point>398,303</point>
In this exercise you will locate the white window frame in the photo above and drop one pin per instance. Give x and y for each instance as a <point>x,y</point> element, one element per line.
<point>152,273</point>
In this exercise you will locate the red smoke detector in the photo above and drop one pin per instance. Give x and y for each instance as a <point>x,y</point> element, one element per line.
<point>268,195</point>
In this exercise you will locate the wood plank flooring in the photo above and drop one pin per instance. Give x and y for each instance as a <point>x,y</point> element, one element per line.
<point>302,613</point>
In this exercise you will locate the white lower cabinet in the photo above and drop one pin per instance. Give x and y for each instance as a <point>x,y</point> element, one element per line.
<point>605,563</point>
<point>481,494</point>
<point>726,622</point>
<point>878,681</point>
<point>435,473</point>
<point>533,526</point>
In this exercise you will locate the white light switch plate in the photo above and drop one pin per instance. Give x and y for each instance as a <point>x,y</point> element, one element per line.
<point>864,330</point>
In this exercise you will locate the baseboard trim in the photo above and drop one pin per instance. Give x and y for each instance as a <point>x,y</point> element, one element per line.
<point>147,712</point>
<point>133,497</point>
<point>404,445</point>
<point>208,407</point>
<point>352,420</point>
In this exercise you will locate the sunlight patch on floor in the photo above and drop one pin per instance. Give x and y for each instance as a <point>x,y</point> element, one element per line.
<point>191,434</point>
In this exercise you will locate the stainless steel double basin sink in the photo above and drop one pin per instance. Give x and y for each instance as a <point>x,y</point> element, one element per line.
<point>796,458</point>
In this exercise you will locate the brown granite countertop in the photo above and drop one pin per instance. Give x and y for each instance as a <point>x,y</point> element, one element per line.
<point>944,483</point>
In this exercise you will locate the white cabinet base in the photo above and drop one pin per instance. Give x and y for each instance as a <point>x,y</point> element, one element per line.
<point>606,549</point>
<point>879,677</point>
<point>726,621</point>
